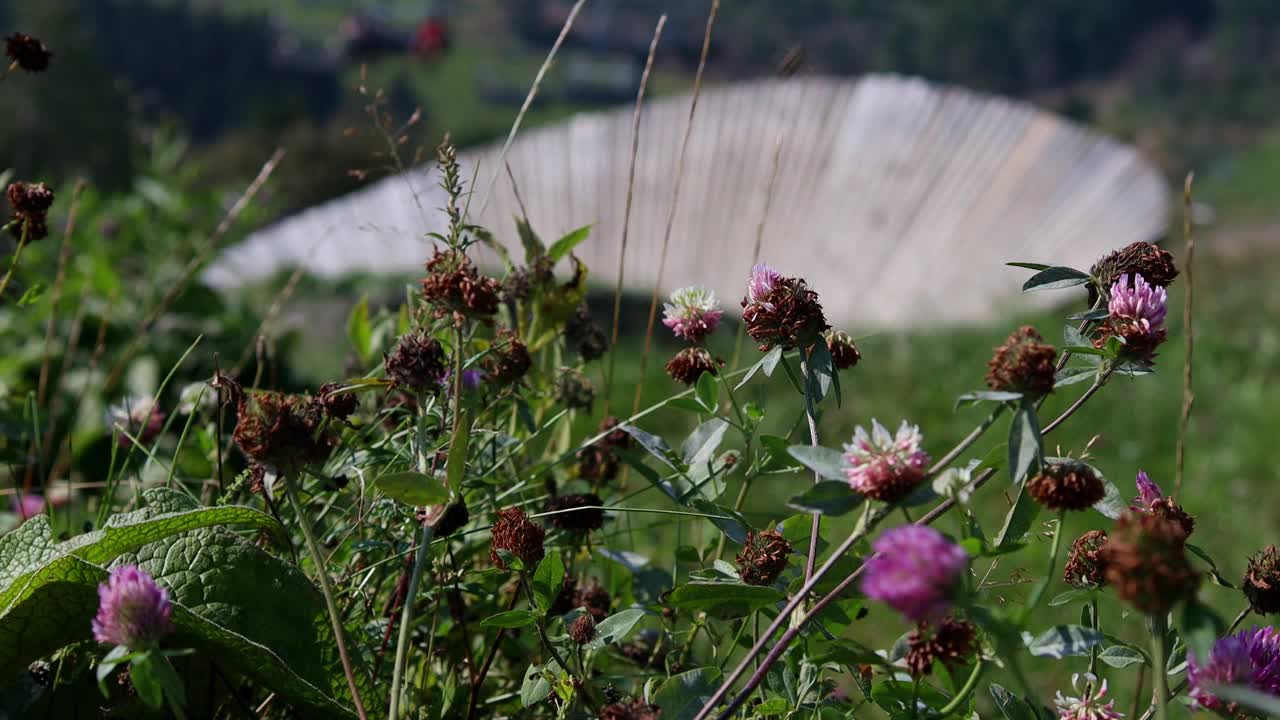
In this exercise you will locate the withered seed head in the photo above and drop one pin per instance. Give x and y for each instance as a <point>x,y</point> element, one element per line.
<point>1023,364</point>
<point>952,641</point>
<point>578,520</point>
<point>417,363</point>
<point>1141,258</point>
<point>286,432</point>
<point>453,285</point>
<point>689,364</point>
<point>516,534</point>
<point>763,558</point>
<point>844,353</point>
<point>583,629</point>
<point>1146,562</point>
<point>1067,486</point>
<point>789,315</point>
<point>509,360</point>
<point>27,52</point>
<point>634,709</point>
<point>1262,581</point>
<point>1085,567</point>
<point>585,335</point>
<point>574,389</point>
<point>337,405</point>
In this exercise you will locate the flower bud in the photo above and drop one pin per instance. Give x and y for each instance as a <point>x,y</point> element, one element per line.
<point>1262,581</point>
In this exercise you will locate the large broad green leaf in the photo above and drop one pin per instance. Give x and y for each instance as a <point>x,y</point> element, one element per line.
<point>683,695</point>
<point>724,600</point>
<point>1063,640</point>
<point>257,614</point>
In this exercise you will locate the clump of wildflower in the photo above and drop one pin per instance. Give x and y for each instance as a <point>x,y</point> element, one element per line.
<point>518,535</point>
<point>1262,581</point>
<point>285,432</point>
<point>781,311</point>
<point>1085,567</point>
<point>634,709</point>
<point>1139,258</point>
<point>132,610</point>
<point>1092,703</point>
<point>585,520</point>
<point>583,629</point>
<point>689,364</point>
<point>417,363</point>
<point>951,641</point>
<point>1151,500</point>
<point>886,467</point>
<point>1066,486</point>
<point>692,314</point>
<point>337,405</point>
<point>509,358</point>
<point>27,52</point>
<point>1023,364</point>
<point>1250,658</point>
<point>139,416</point>
<point>599,461</point>
<point>1145,561</point>
<point>454,286</point>
<point>585,335</point>
<point>916,571</point>
<point>763,558</point>
<point>844,353</point>
<point>574,389</point>
<point>30,203</point>
<point>1137,317</point>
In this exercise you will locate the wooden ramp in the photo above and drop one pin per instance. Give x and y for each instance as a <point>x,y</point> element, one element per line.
<point>898,200</point>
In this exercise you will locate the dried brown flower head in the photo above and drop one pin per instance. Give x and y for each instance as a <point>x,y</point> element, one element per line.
<point>1023,364</point>
<point>27,52</point>
<point>1169,510</point>
<point>1085,567</point>
<point>634,709</point>
<point>578,520</point>
<point>689,364</point>
<point>788,315</point>
<point>574,389</point>
<point>1066,486</point>
<point>599,461</point>
<point>257,478</point>
<point>763,558</point>
<point>30,203</point>
<point>286,432</point>
<point>583,629</point>
<point>1146,562</point>
<point>594,598</point>
<point>844,354</point>
<point>1140,342</point>
<point>454,286</point>
<point>952,641</point>
<point>417,363</point>
<point>1141,258</point>
<point>585,335</point>
<point>509,359</point>
<point>516,534</point>
<point>1261,582</point>
<point>337,405</point>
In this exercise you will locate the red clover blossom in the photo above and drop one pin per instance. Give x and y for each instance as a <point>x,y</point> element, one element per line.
<point>915,571</point>
<point>132,610</point>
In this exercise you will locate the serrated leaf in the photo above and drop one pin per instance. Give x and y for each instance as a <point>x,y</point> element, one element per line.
<point>724,600</point>
<point>1064,641</point>
<point>566,244</point>
<point>616,627</point>
<point>827,463</point>
<point>510,619</point>
<point>1055,278</point>
<point>831,497</point>
<point>413,488</point>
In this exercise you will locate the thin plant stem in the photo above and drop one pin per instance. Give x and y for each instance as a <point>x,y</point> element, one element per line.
<point>1182,684</point>
<point>587,693</point>
<point>13,264</point>
<point>406,616</point>
<point>675,197</point>
<point>965,691</point>
<point>326,589</point>
<point>1188,331</point>
<point>1096,624</point>
<point>1098,382</point>
<point>1038,592</point>
<point>811,418</point>
<point>626,213</point>
<point>1160,681</point>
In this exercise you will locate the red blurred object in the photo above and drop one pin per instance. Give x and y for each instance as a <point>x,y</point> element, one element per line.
<point>431,38</point>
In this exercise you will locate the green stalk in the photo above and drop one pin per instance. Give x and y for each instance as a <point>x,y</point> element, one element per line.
<point>965,691</point>
<point>406,617</point>
<point>1159,677</point>
<point>326,589</point>
<point>1038,593</point>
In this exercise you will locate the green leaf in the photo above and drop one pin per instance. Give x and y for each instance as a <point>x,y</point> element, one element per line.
<point>654,444</point>
<point>1099,314</point>
<point>1214,574</point>
<point>360,330</point>
<point>1073,375</point>
<point>145,675</point>
<point>1012,706</point>
<point>413,488</point>
<point>616,627</point>
<point>533,247</point>
<point>831,497</point>
<point>700,447</point>
<point>1026,448</point>
<point>548,580</point>
<point>822,371</point>
<point>1261,703</point>
<point>729,522</point>
<point>707,390</point>
<point>1029,265</point>
<point>566,244</point>
<point>455,468</point>
<point>973,398</point>
<point>1063,641</point>
<point>31,295</point>
<point>844,651</point>
<point>1019,519</point>
<point>1121,656</point>
<point>1070,596</point>
<point>724,600</point>
<point>687,404</point>
<point>1112,505</point>
<point>1055,278</point>
<point>535,687</point>
<point>510,619</point>
<point>683,695</point>
<point>1199,626</point>
<point>768,364</point>
<point>827,463</point>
